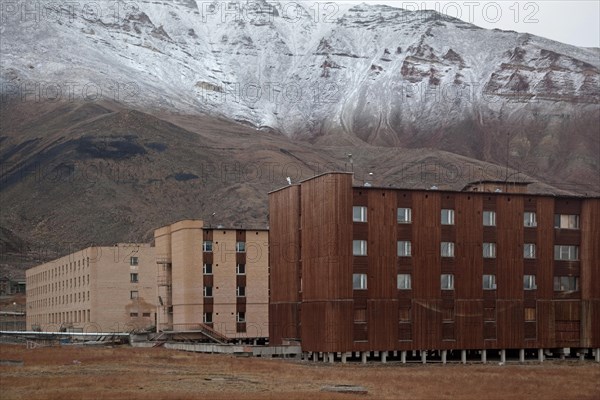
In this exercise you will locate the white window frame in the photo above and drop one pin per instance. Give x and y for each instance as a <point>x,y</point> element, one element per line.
<point>450,281</point>
<point>205,269</point>
<point>240,291</point>
<point>489,250</point>
<point>529,251</point>
<point>359,247</point>
<point>404,248</point>
<point>134,261</point>
<point>205,291</point>
<point>240,269</point>
<point>489,218</point>
<point>205,318</point>
<point>134,294</point>
<point>449,246</point>
<point>404,282</point>
<point>240,247</point>
<point>404,215</point>
<point>447,216</point>
<point>560,280</point>
<point>489,282</point>
<point>359,281</point>
<point>359,214</point>
<point>133,275</point>
<point>566,252</point>
<point>529,219</point>
<point>240,316</point>
<point>207,246</point>
<point>566,221</point>
<point>529,282</point>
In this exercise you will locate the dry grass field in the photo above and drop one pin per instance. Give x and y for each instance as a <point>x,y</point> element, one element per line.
<point>71,372</point>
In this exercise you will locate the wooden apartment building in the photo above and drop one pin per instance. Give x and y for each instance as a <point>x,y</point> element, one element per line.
<point>367,269</point>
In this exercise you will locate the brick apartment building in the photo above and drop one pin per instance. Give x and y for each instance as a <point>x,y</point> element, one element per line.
<point>97,289</point>
<point>368,269</point>
<point>212,277</point>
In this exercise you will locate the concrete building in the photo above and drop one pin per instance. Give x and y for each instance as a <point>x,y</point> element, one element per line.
<point>213,277</point>
<point>97,289</point>
<point>368,270</point>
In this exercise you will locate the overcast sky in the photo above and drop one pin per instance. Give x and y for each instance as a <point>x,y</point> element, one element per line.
<point>573,22</point>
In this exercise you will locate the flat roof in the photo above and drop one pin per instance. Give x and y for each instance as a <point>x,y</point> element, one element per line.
<point>556,195</point>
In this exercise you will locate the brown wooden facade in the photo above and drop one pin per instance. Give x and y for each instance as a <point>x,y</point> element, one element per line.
<point>312,265</point>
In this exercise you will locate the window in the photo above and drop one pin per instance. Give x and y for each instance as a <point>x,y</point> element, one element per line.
<point>404,281</point>
<point>240,247</point>
<point>489,218</point>
<point>529,314</point>
<point>207,318</point>
<point>240,316</point>
<point>133,261</point>
<point>207,246</point>
<point>359,281</point>
<point>489,250</point>
<point>133,294</point>
<point>529,219</point>
<point>566,283</point>
<point>447,217</point>
<point>447,282</point>
<point>240,269</point>
<point>359,214</point>
<point>403,249</point>
<point>529,250</point>
<point>208,292</point>
<point>565,221</point>
<point>240,291</point>
<point>447,249</point>
<point>529,282</point>
<point>489,282</point>
<point>359,247</point>
<point>146,314</point>
<point>562,252</point>
<point>404,216</point>
<point>133,314</point>
<point>207,269</point>
<point>133,278</point>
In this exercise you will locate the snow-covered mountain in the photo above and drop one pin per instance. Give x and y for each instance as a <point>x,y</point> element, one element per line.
<point>316,70</point>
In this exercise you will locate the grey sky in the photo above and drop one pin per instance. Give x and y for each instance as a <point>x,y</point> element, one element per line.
<point>572,22</point>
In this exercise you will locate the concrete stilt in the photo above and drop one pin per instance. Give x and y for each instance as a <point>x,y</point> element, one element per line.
<point>463,356</point>
<point>424,357</point>
<point>598,355</point>
<point>315,356</point>
<point>344,358</point>
<point>395,353</point>
<point>384,357</point>
<point>541,355</point>
<point>503,356</point>
<point>484,356</point>
<point>331,357</point>
<point>522,355</point>
<point>582,355</point>
<point>363,356</point>
<point>444,354</point>
<point>403,357</point>
<point>376,354</point>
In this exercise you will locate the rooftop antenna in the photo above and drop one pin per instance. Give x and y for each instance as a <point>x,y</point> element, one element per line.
<point>289,180</point>
<point>367,183</point>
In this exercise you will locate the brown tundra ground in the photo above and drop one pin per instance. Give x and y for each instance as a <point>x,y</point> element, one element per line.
<point>71,372</point>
